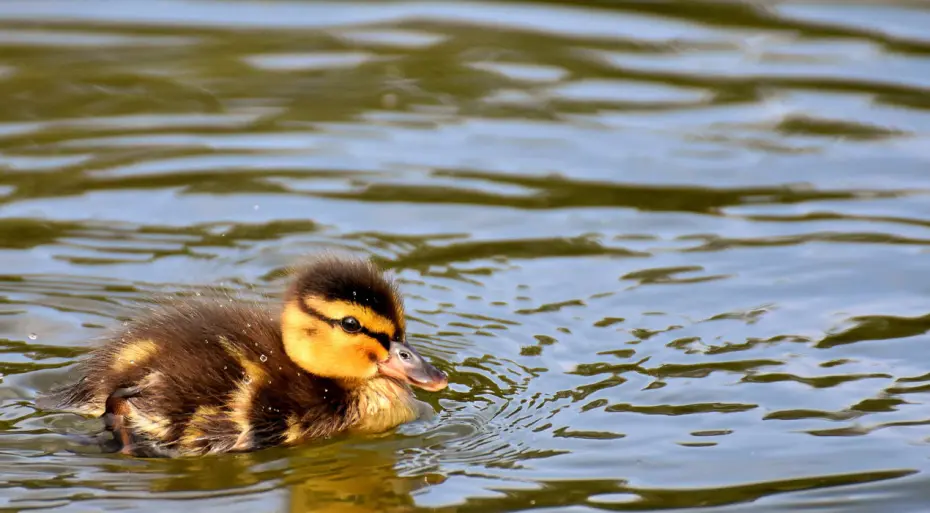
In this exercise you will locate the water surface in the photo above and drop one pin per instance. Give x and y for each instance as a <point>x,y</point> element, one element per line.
<point>672,255</point>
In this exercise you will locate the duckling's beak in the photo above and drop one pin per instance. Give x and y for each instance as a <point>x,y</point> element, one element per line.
<point>406,364</point>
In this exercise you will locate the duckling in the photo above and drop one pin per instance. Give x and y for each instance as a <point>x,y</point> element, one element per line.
<point>204,376</point>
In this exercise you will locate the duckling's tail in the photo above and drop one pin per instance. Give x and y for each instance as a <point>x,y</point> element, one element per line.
<point>79,397</point>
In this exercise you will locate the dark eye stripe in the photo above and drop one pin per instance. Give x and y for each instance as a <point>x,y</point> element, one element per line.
<point>383,338</point>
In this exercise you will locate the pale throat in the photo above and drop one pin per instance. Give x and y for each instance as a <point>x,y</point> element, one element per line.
<point>382,403</point>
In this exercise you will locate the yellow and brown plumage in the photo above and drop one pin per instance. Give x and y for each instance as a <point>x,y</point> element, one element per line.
<point>211,375</point>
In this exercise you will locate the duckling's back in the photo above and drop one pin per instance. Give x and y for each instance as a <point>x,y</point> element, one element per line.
<point>183,377</point>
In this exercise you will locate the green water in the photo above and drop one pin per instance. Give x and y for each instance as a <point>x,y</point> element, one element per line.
<point>672,254</point>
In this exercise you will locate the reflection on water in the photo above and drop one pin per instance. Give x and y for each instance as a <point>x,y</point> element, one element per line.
<point>671,254</point>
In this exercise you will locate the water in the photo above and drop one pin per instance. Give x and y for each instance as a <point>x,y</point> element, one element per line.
<point>672,255</point>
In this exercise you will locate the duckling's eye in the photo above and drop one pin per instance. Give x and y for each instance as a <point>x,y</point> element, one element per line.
<point>351,325</point>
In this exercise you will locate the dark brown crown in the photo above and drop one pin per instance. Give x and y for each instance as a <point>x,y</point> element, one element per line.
<point>339,278</point>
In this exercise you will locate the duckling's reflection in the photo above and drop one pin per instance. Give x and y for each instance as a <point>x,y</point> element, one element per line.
<point>355,480</point>
<point>339,476</point>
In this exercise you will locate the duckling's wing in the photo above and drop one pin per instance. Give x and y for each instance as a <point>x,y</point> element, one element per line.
<point>141,425</point>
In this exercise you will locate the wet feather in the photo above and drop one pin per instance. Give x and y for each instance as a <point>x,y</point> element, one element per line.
<point>211,374</point>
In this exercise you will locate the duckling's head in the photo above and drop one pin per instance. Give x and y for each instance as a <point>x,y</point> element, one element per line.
<point>343,319</point>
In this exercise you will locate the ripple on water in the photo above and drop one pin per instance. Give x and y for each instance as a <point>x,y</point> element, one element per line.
<point>670,254</point>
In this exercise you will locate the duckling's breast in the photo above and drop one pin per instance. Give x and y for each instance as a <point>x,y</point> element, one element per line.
<point>383,404</point>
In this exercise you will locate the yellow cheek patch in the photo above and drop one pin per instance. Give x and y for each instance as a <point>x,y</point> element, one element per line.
<point>341,309</point>
<point>323,350</point>
<point>306,350</point>
<point>370,346</point>
<point>133,353</point>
